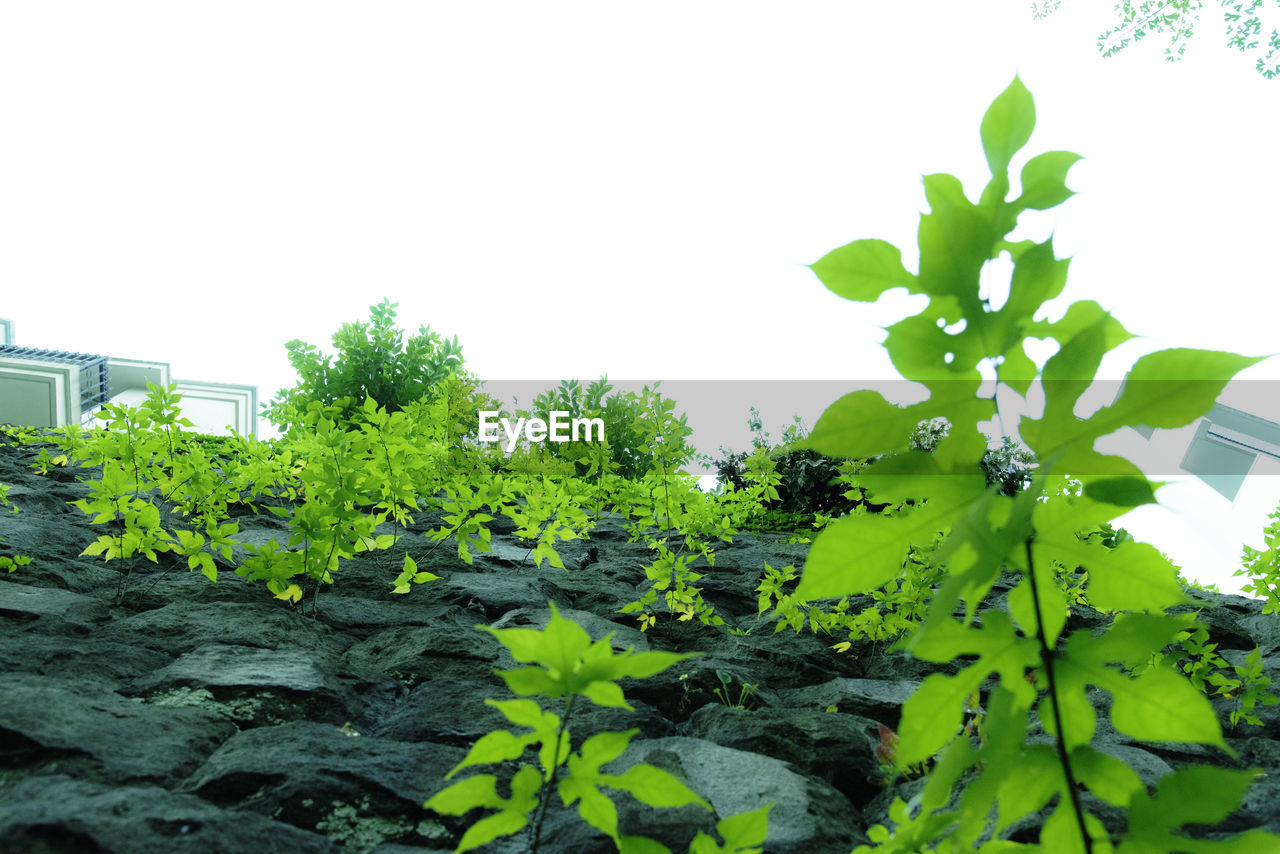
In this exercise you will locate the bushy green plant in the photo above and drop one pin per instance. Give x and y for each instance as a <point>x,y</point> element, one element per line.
<point>807,482</point>
<point>1262,567</point>
<point>974,793</point>
<point>568,665</point>
<point>642,432</point>
<point>373,360</point>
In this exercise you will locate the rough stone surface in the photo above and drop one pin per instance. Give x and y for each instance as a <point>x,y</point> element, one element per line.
<point>145,709</point>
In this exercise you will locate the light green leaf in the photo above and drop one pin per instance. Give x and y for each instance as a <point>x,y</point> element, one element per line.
<point>931,716</point>
<point>1038,778</point>
<point>1171,388</point>
<point>855,554</point>
<point>1134,577</point>
<point>1044,180</point>
<point>490,828</point>
<point>1107,777</point>
<point>1160,705</point>
<point>477,791</point>
<point>1007,126</point>
<point>497,746</point>
<point>656,788</point>
<point>525,713</point>
<point>863,424</point>
<point>527,681</point>
<point>863,270</point>
<point>645,664</point>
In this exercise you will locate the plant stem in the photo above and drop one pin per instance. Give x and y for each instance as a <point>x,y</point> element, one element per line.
<point>544,796</point>
<point>1046,656</point>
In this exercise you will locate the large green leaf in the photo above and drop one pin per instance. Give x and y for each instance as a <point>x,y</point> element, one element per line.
<point>856,554</point>
<point>1160,705</point>
<point>1171,388</point>
<point>863,424</point>
<point>863,270</point>
<point>955,239</point>
<point>1135,576</point>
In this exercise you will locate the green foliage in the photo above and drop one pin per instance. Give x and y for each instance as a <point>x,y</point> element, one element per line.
<point>987,531</point>
<point>806,481</point>
<point>373,360</point>
<point>1217,677</point>
<point>7,562</point>
<point>1178,19</point>
<point>1263,567</point>
<point>725,691</point>
<point>567,664</point>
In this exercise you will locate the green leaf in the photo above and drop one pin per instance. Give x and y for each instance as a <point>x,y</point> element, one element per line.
<point>1172,388</point>
<point>497,746</point>
<point>931,716</point>
<point>1038,779</point>
<point>862,424</point>
<point>742,834</point>
<point>480,790</point>
<point>606,694</point>
<point>527,681</point>
<point>645,664</point>
<point>1134,576</point>
<point>490,828</point>
<point>1007,126</point>
<point>1044,180</point>
<point>1121,491</point>
<point>863,270</point>
<point>956,240</point>
<point>855,554</point>
<point>1106,776</point>
<point>656,788</point>
<point>1160,705</point>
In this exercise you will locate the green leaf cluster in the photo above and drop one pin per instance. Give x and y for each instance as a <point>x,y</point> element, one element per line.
<point>1178,19</point>
<point>958,340</point>
<point>1262,567</point>
<point>10,563</point>
<point>373,360</point>
<point>563,662</point>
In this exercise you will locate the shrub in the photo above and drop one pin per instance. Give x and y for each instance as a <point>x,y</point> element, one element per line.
<point>642,432</point>
<point>373,360</point>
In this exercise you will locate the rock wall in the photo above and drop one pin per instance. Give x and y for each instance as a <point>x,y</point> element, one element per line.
<point>198,716</point>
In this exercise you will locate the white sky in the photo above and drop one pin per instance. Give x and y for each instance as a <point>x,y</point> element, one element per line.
<point>583,188</point>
